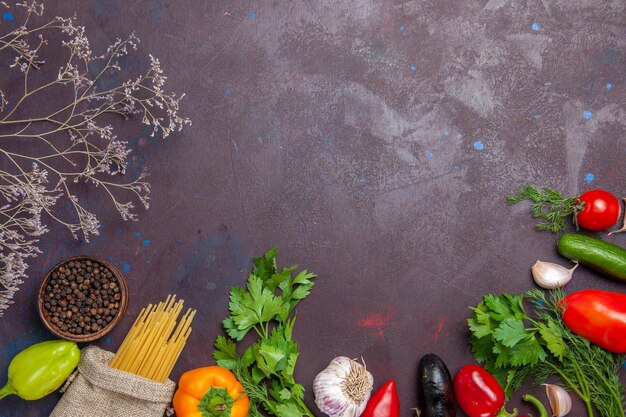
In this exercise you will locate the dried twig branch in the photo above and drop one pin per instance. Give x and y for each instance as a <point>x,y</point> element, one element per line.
<point>43,155</point>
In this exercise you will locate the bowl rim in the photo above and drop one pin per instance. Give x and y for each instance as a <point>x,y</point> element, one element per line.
<point>90,337</point>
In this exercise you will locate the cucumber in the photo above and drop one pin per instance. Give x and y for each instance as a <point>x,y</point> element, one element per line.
<point>597,254</point>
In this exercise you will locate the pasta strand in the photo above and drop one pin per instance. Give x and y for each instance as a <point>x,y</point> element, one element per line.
<point>155,341</point>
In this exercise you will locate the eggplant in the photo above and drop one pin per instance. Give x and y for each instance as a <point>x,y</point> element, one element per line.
<point>436,393</point>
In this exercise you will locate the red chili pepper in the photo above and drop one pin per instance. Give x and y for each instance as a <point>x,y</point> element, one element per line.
<point>478,393</point>
<point>384,403</point>
<point>598,316</point>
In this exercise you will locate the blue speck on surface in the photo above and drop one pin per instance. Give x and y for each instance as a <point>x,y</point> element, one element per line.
<point>413,68</point>
<point>362,180</point>
<point>7,15</point>
<point>107,340</point>
<point>587,114</point>
<point>138,234</point>
<point>252,15</point>
<point>429,154</point>
<point>479,146</point>
<point>229,92</point>
<point>537,116</point>
<point>402,27</point>
<point>126,267</point>
<point>147,242</point>
<point>589,178</point>
<point>446,133</point>
<point>149,261</point>
<point>539,303</point>
<point>536,27</point>
<point>608,86</point>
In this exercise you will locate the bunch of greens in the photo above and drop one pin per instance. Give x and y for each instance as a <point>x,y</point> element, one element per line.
<point>514,347</point>
<point>266,368</point>
<point>550,206</point>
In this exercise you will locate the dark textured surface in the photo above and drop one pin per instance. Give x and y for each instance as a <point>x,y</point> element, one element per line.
<point>374,143</point>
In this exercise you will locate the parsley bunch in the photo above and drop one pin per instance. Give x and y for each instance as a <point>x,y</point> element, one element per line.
<point>266,368</point>
<point>514,346</point>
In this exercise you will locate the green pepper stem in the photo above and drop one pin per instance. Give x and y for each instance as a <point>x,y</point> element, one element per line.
<point>6,390</point>
<point>216,402</point>
<point>216,406</point>
<point>504,413</point>
<point>536,403</point>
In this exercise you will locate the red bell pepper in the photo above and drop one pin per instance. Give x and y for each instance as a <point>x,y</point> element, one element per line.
<point>598,316</point>
<point>384,403</point>
<point>479,394</point>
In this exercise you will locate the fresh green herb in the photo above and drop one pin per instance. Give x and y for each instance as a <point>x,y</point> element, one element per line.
<point>515,347</point>
<point>266,368</point>
<point>549,205</point>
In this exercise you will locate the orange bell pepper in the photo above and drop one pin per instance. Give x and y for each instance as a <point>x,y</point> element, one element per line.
<point>211,391</point>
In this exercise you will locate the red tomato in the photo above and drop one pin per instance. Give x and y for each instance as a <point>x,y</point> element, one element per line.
<point>601,210</point>
<point>478,393</point>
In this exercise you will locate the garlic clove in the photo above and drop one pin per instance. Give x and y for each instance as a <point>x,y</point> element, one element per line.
<point>548,275</point>
<point>560,401</point>
<point>623,229</point>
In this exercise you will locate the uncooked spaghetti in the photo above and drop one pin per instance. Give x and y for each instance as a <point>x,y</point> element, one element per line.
<point>154,342</point>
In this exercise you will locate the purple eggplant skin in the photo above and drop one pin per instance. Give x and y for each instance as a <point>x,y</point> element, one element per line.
<point>436,392</point>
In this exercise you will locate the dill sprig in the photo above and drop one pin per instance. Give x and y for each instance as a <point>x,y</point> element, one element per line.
<point>550,205</point>
<point>257,393</point>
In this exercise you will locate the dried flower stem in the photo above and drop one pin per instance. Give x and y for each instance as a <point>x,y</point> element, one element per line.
<point>42,155</point>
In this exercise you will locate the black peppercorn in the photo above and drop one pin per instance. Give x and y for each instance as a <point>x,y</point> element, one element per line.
<point>79,297</point>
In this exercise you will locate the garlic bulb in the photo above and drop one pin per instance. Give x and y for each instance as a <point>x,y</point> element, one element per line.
<point>548,275</point>
<point>560,401</point>
<point>343,388</point>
